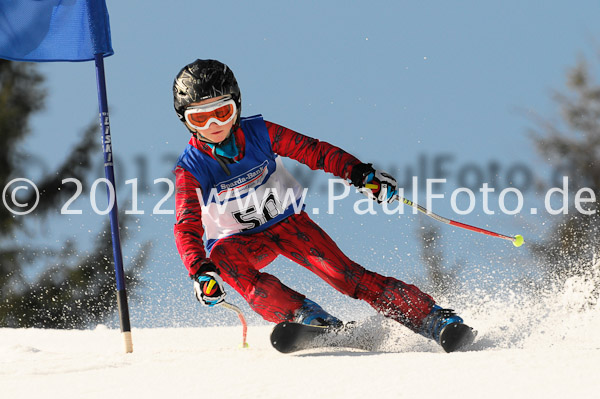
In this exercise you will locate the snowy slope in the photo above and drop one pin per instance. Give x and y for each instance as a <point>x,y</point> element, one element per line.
<point>545,347</point>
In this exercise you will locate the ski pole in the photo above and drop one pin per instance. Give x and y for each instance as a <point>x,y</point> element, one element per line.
<point>516,240</point>
<point>237,310</point>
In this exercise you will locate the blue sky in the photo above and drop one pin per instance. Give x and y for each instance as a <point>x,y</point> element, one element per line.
<point>389,81</point>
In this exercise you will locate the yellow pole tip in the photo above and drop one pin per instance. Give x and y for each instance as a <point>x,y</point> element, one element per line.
<point>518,241</point>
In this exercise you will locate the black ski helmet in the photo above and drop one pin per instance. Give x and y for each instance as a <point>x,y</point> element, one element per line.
<point>203,79</point>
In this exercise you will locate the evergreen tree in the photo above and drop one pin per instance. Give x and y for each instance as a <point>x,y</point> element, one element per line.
<point>75,289</point>
<point>573,144</point>
<point>442,280</point>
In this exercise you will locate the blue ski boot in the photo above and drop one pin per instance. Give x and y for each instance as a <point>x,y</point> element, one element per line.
<point>312,314</point>
<point>447,329</point>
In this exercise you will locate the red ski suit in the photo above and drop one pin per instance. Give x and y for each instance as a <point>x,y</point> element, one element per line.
<point>239,258</point>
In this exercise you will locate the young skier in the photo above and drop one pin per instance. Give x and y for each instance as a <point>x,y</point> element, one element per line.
<point>231,161</point>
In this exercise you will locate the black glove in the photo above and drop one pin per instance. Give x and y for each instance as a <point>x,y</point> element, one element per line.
<point>208,285</point>
<point>375,184</point>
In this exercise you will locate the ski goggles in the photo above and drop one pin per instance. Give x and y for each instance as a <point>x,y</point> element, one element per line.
<point>220,112</point>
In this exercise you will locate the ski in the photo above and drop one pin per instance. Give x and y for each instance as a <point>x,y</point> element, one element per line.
<point>457,337</point>
<point>289,337</point>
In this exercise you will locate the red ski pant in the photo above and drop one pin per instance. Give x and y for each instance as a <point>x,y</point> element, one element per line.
<point>241,257</point>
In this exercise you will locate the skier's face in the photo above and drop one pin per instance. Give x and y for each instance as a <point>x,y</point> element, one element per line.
<point>214,133</point>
